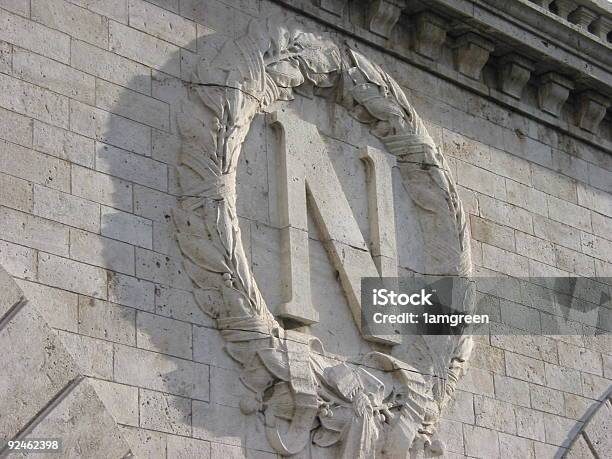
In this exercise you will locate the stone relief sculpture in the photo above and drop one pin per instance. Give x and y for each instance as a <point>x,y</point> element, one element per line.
<point>377,406</point>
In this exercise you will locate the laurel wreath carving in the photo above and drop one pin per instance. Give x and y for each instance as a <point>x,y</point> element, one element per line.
<point>378,407</point>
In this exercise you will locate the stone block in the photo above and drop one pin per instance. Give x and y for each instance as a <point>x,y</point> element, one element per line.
<point>461,409</point>
<point>494,414</point>
<point>6,51</point>
<point>164,335</point>
<point>163,24</point>
<point>526,197</point>
<point>594,199</point>
<point>15,128</point>
<point>35,232</point>
<point>548,400</point>
<point>181,305</point>
<point>40,360</point>
<point>110,128</point>
<point>19,261</point>
<point>71,275</point>
<point>17,194</point>
<point>480,442</point>
<point>76,22</point>
<point>35,167</point>
<point>10,294</point>
<point>488,358</point>
<point>110,66</point>
<point>600,178</point>
<point>597,431</point>
<point>120,400</point>
<point>593,386</point>
<point>574,262</point>
<point>133,167</point>
<point>511,446</point>
<point>73,420</point>
<point>133,105</point>
<point>21,7</point>
<point>144,48</point>
<point>35,37</point>
<point>101,251</point>
<point>151,370</point>
<point>144,443</point>
<point>568,213</point>
<point>104,189</point>
<point>503,261</point>
<point>525,368</point>
<point>558,233</point>
<point>187,448</point>
<point>521,317</point>
<point>221,451</point>
<point>53,75</point>
<point>161,269</point>
<point>131,291</point>
<point>165,413</point>
<point>569,165</point>
<point>561,378</point>
<point>481,180</point>
<point>63,144</point>
<point>535,248</point>
<point>512,390</point>
<point>58,307</point>
<point>560,430</point>
<point>218,423</point>
<point>113,9</point>
<point>153,204</point>
<point>67,209</point>
<point>126,227</point>
<point>93,357</point>
<point>108,321</point>
<point>226,388</point>
<point>596,246</point>
<point>477,381</point>
<point>530,424</point>
<point>505,214</point>
<point>577,407</point>
<point>553,183</point>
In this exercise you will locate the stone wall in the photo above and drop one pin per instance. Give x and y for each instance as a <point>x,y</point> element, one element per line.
<point>88,149</point>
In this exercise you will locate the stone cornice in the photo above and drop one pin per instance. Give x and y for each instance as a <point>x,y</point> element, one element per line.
<point>575,50</point>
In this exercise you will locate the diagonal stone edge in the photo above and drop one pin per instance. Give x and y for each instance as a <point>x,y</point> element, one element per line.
<point>76,392</point>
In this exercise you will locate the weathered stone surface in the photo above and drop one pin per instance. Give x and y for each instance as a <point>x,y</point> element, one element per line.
<point>72,420</point>
<point>155,371</point>
<point>89,97</point>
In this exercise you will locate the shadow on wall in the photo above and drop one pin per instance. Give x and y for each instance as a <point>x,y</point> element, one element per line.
<point>187,384</point>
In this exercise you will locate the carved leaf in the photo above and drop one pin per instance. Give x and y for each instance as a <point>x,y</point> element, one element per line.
<point>203,253</point>
<point>371,71</point>
<point>286,74</point>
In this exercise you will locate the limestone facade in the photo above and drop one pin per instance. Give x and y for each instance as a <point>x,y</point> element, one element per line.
<point>107,324</point>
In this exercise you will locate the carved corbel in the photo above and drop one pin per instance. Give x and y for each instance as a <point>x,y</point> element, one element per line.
<point>583,17</point>
<point>592,108</point>
<point>602,27</point>
<point>429,34</point>
<point>382,17</point>
<point>471,54</point>
<point>564,8</point>
<point>553,92</point>
<point>332,6</point>
<point>514,73</point>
